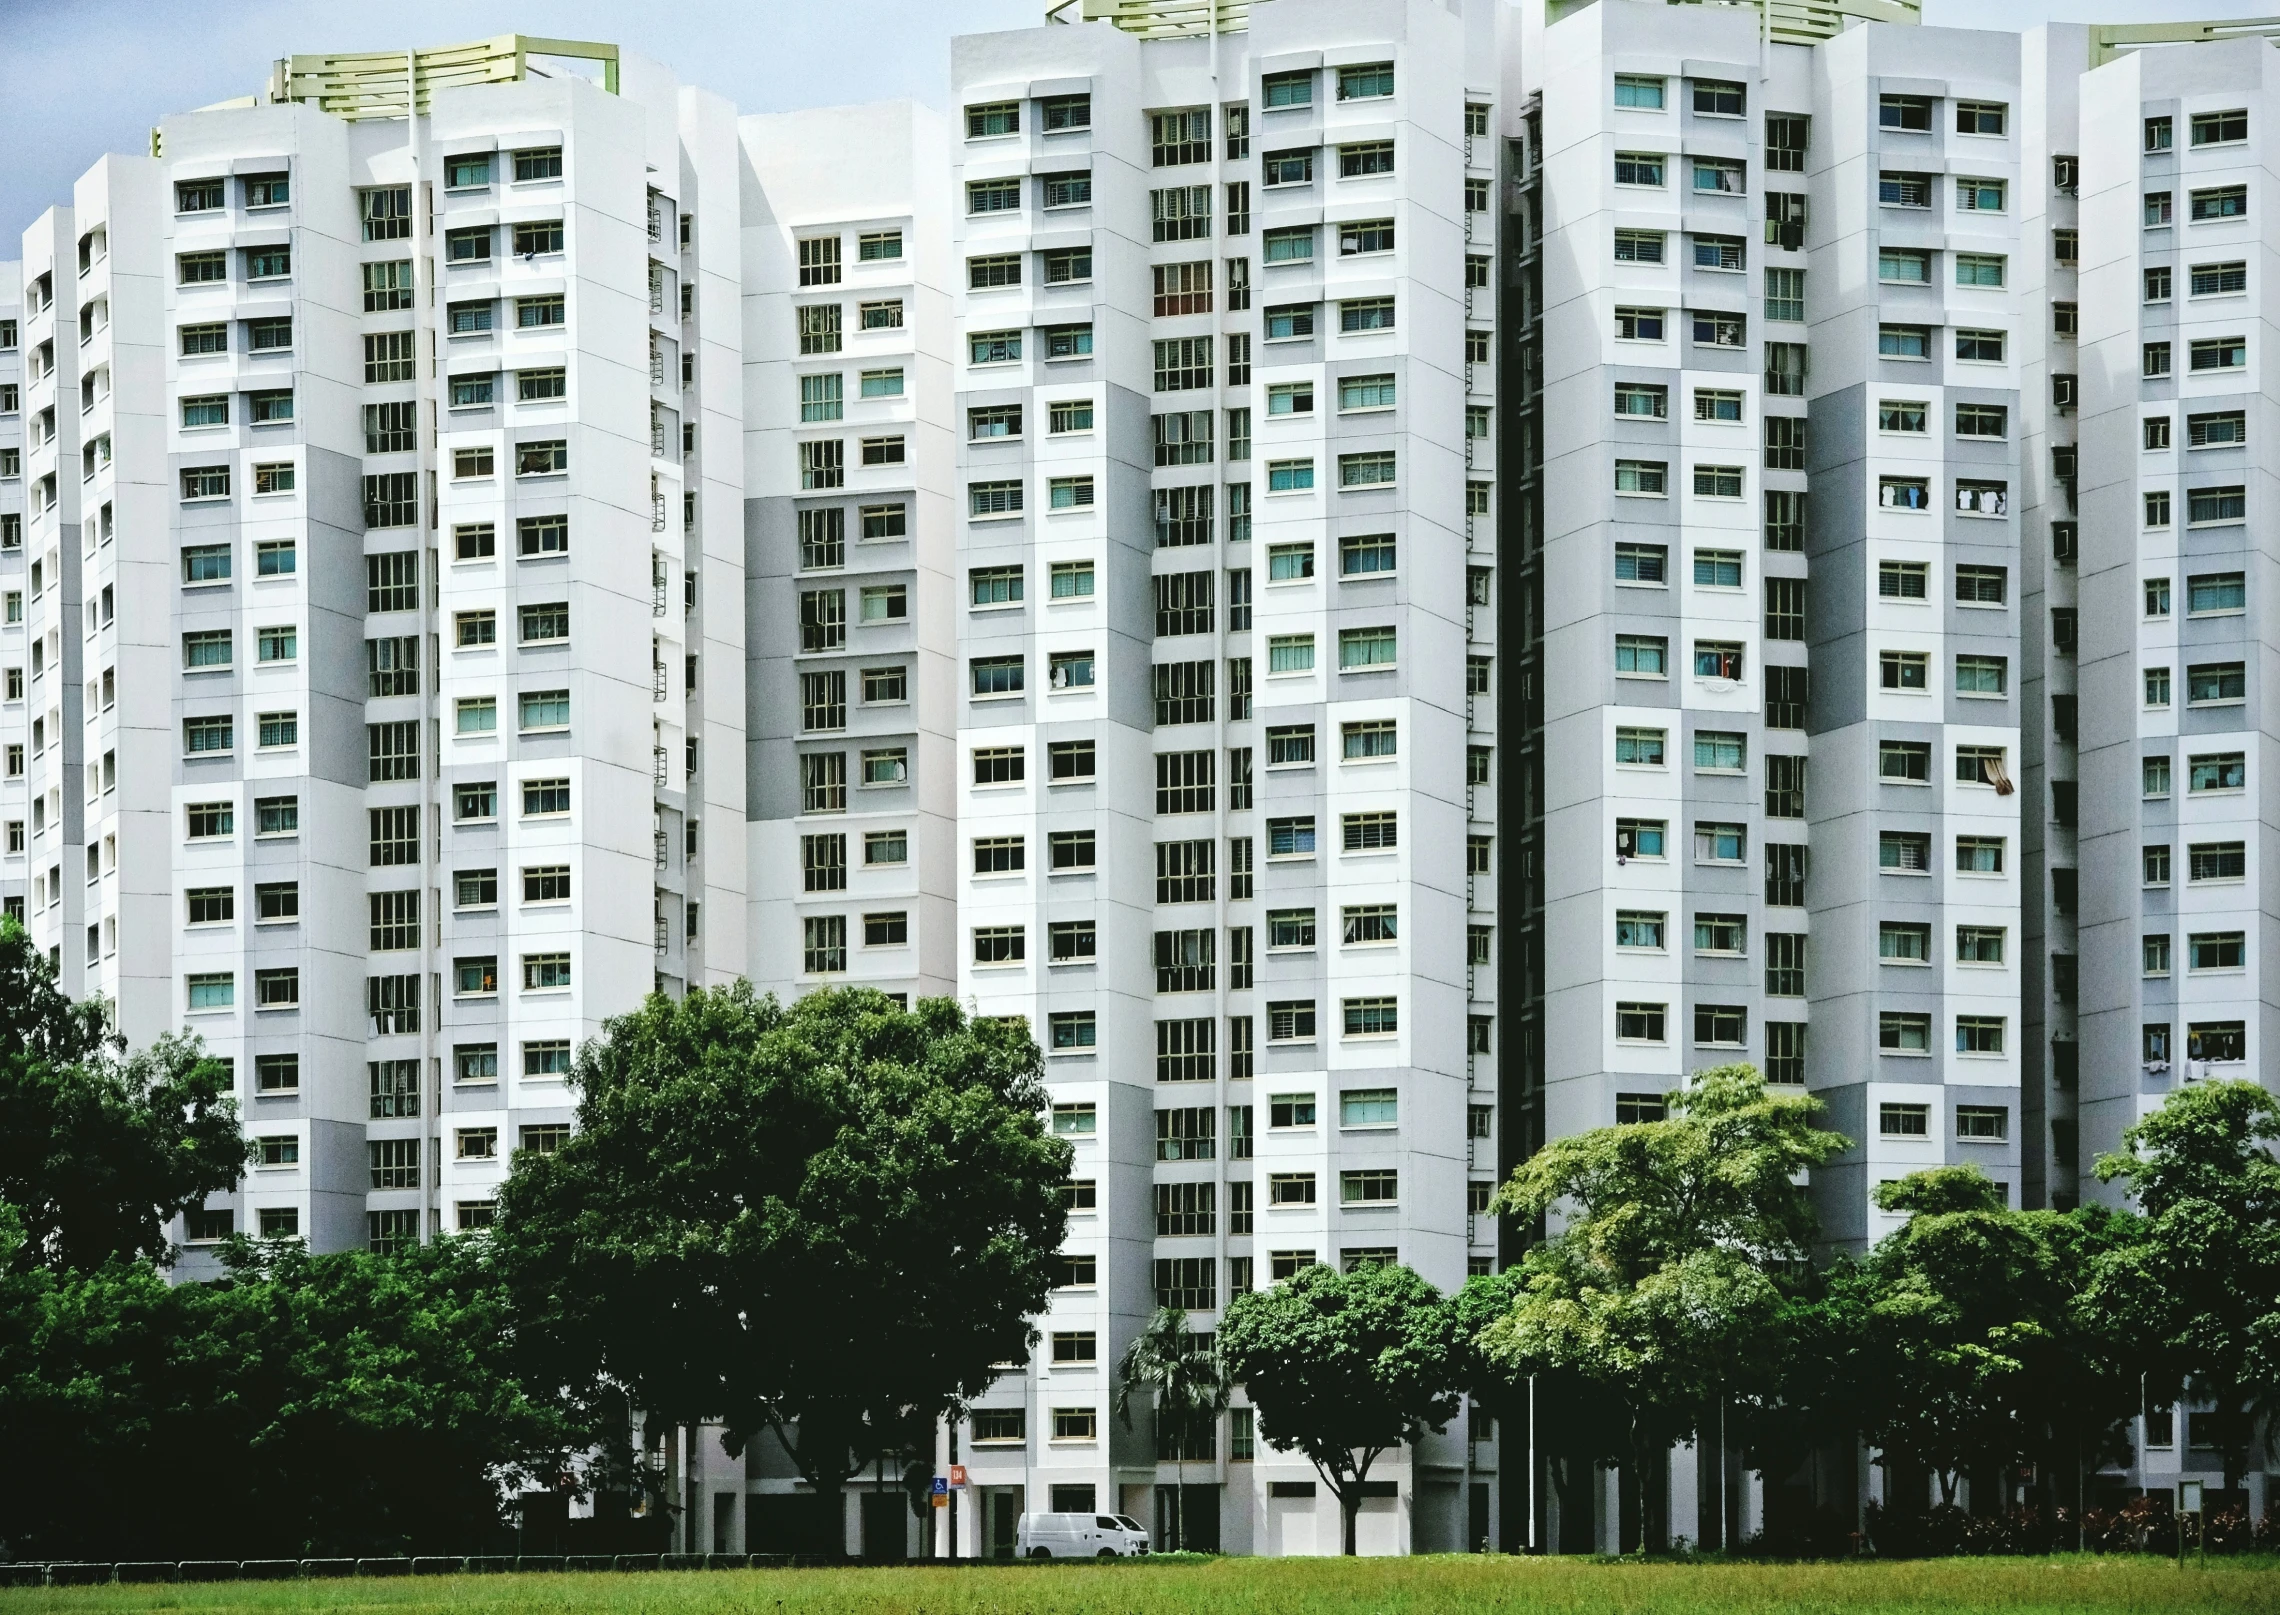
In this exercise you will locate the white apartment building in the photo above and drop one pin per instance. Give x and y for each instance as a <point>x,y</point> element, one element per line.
<point>15,727</point>
<point>356,443</point>
<point>852,816</point>
<point>1226,400</point>
<point>1394,575</point>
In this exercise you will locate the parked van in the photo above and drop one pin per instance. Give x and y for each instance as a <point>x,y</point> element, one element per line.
<point>1078,1536</point>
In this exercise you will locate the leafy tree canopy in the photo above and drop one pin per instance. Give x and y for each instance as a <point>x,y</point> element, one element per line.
<point>828,1219</point>
<point>2201,1289</point>
<point>1663,1288</point>
<point>1724,1170</point>
<point>323,1404</point>
<point>1344,1367</point>
<point>100,1150</point>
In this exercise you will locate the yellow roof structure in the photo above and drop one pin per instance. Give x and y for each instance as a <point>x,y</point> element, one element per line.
<point>1788,22</point>
<point>396,83</point>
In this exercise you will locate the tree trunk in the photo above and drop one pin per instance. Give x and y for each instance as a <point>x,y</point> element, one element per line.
<point>831,1504</point>
<point>1179,1491</point>
<point>1643,1469</point>
<point>1350,1505</point>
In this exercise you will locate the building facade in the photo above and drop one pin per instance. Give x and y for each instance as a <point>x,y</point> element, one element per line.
<point>354,441</point>
<point>1225,408</point>
<point>1395,576</point>
<point>15,581</point>
<point>852,821</point>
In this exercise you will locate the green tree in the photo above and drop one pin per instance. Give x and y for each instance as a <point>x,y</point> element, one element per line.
<point>2201,1290</point>
<point>1484,1299</point>
<point>828,1220</point>
<point>100,1149</point>
<point>1663,1290</point>
<point>2087,1384</point>
<point>1186,1382</point>
<point>1962,1341</point>
<point>1947,1316</point>
<point>1344,1367</point>
<point>348,1404</point>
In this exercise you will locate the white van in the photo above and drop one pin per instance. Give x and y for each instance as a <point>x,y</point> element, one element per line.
<point>1078,1536</point>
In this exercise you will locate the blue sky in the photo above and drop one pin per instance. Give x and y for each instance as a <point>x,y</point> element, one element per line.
<point>82,77</point>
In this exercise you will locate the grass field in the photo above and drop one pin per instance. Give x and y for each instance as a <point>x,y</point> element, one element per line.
<point>1252,1587</point>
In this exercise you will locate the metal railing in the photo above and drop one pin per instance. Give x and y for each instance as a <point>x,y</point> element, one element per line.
<point>1791,22</point>
<point>2109,40</point>
<point>357,85</point>
<point>1159,19</point>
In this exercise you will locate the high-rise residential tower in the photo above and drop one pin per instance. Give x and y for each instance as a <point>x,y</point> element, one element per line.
<point>849,531</point>
<point>15,726</point>
<point>358,442</point>
<point>1227,555</point>
<point>1395,576</point>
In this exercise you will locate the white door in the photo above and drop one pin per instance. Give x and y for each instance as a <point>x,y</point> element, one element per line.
<point>1377,1526</point>
<point>1290,1526</point>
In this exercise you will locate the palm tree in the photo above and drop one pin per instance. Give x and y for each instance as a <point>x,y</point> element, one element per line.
<point>1184,1377</point>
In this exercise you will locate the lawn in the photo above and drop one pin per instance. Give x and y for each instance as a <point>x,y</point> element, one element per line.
<point>1244,1586</point>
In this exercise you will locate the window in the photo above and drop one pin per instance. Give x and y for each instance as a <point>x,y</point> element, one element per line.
<point>1979,346</point>
<point>1364,158</point>
<point>1186,1051</point>
<point>1641,563</point>
<point>1981,675</point>
<point>1637,90</point>
<point>1638,246</point>
<point>2215,683</point>
<point>1640,748</point>
<point>2217,128</point>
<point>2213,280</point>
<point>1904,852</point>
<point>1644,478</point>
<point>1715,752</point>
<point>1911,114</point>
<point>1642,656</point>
<point>1184,871</point>
<point>1719,933</point>
<point>2208,505</point>
<point>1640,1023</point>
<point>2222,202</point>
<point>1180,138</point>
